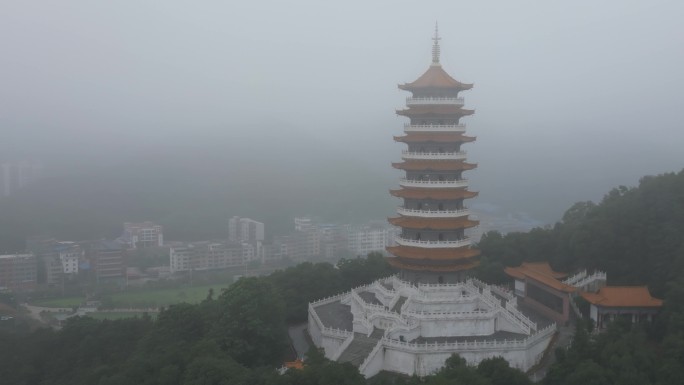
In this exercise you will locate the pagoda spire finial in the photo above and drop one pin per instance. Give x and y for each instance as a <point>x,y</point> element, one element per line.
<point>435,46</point>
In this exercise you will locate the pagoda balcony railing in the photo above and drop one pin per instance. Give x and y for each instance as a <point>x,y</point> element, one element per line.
<point>432,213</point>
<point>433,183</point>
<point>431,101</point>
<point>434,155</point>
<point>432,244</point>
<point>434,127</point>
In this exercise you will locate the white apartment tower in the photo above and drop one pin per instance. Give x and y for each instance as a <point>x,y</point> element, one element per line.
<point>245,230</point>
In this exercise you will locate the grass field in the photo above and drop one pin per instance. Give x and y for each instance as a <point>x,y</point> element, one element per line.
<point>163,297</point>
<point>59,302</point>
<point>118,315</point>
<point>143,298</point>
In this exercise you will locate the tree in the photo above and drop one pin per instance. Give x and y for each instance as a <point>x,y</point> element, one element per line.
<point>251,327</point>
<point>499,372</point>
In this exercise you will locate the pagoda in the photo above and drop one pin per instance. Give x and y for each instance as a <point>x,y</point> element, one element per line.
<point>411,323</point>
<point>432,246</point>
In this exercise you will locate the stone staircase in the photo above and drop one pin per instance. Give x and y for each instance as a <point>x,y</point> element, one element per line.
<point>397,306</point>
<point>360,347</point>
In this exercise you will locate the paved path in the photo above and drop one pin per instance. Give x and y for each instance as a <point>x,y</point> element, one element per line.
<point>562,340</point>
<point>298,338</point>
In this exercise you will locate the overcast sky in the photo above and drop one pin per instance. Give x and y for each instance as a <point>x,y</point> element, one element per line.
<point>571,98</point>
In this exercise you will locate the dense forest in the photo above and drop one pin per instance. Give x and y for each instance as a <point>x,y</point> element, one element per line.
<point>635,235</point>
<point>239,336</point>
<point>236,337</point>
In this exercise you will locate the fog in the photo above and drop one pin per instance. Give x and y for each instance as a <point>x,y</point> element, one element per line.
<point>571,98</point>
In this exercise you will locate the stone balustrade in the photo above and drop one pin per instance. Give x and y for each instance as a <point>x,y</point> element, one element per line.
<point>575,278</point>
<point>476,314</point>
<point>369,357</point>
<point>437,347</point>
<point>598,275</point>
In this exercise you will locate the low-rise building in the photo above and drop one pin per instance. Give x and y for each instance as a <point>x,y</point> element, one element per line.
<point>18,272</point>
<point>245,230</point>
<point>142,235</point>
<point>108,261</point>
<point>633,303</point>
<point>362,240</point>
<point>210,255</point>
<point>541,288</point>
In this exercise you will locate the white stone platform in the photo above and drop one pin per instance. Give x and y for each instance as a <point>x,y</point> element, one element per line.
<point>409,329</point>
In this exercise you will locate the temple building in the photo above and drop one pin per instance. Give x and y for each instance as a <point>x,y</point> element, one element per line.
<point>551,292</point>
<point>633,303</point>
<point>412,322</point>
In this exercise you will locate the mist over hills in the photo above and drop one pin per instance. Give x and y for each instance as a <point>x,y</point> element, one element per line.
<point>192,181</point>
<point>193,188</point>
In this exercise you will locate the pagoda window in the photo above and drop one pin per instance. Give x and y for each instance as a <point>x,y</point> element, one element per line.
<point>440,150</point>
<point>440,279</point>
<point>440,237</point>
<point>417,236</point>
<point>441,177</point>
<point>440,207</point>
<point>419,206</point>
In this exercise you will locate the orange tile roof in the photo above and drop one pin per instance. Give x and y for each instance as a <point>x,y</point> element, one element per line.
<point>296,364</point>
<point>427,193</point>
<point>440,254</point>
<point>541,267</point>
<point>433,223</point>
<point>452,268</point>
<point>435,109</point>
<point>434,137</point>
<point>542,273</point>
<point>623,296</point>
<point>435,77</point>
<point>435,165</point>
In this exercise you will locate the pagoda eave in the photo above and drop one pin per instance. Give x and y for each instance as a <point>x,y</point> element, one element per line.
<point>437,269</point>
<point>434,165</point>
<point>426,193</point>
<point>411,87</point>
<point>437,254</point>
<point>436,137</point>
<point>442,110</point>
<point>433,223</point>
<point>435,78</point>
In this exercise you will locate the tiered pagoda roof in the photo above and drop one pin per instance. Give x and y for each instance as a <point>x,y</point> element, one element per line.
<point>435,77</point>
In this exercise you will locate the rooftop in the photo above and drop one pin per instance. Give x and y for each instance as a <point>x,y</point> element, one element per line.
<point>623,296</point>
<point>435,77</point>
<point>542,273</point>
<point>12,256</point>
